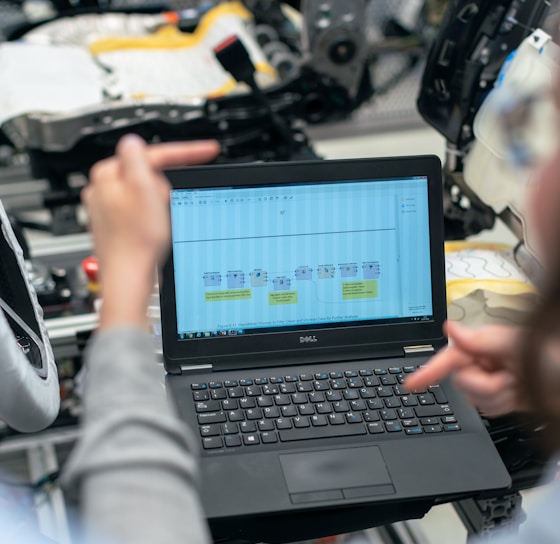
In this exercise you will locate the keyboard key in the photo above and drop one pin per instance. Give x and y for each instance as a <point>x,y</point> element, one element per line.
<point>375,404</point>
<point>304,387</point>
<point>269,438</point>
<point>306,409</point>
<point>198,386</point>
<point>270,389</point>
<point>387,415</point>
<point>286,388</point>
<point>367,393</point>
<point>371,416</point>
<point>212,417</point>
<point>235,415</point>
<point>263,402</point>
<point>218,394</point>
<point>393,426</point>
<point>357,405</point>
<point>336,419</point>
<point>341,406</point>
<point>230,404</point>
<point>433,429</point>
<point>283,423</point>
<point>253,391</point>
<point>251,439</point>
<point>338,384</point>
<point>323,408</point>
<point>329,431</point>
<point>414,430</point>
<point>426,399</point>
<point>372,381</point>
<point>452,427</point>
<point>282,400</point>
<point>316,396</point>
<point>333,396</point>
<point>409,423</point>
<point>430,421</point>
<point>355,383</point>
<point>439,394</point>
<point>265,425</point>
<point>200,395</point>
<point>212,442</point>
<point>300,422</point>
<point>392,402</point>
<point>289,411</point>
<point>271,412</point>
<point>232,440</point>
<point>247,426</point>
<point>384,391</point>
<point>230,428</point>
<point>436,410</point>
<point>376,428</point>
<point>247,402</point>
<point>207,406</point>
<point>409,400</point>
<point>353,417</point>
<point>254,413</point>
<point>210,430</point>
<point>405,413</point>
<point>400,390</point>
<point>350,394</point>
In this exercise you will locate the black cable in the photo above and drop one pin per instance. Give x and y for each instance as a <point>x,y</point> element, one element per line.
<point>234,58</point>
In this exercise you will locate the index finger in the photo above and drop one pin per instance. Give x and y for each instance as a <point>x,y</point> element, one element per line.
<point>174,154</point>
<point>439,367</point>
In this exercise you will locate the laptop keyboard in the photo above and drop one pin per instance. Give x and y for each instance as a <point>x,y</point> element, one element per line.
<point>247,412</point>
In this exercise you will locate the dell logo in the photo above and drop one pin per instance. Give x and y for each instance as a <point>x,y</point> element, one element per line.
<point>307,339</point>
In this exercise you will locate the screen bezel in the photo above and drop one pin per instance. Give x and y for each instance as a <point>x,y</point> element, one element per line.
<point>286,347</point>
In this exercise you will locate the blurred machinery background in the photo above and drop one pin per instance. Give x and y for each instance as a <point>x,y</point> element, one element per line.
<point>396,65</point>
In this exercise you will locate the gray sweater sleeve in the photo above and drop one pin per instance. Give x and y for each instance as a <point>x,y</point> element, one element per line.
<point>135,465</point>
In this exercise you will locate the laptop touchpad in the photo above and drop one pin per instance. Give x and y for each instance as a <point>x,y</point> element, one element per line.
<point>336,474</point>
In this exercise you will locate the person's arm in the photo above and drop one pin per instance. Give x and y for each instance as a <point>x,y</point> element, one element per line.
<point>135,465</point>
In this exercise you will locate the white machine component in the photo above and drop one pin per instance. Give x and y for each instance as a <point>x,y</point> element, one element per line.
<point>515,124</point>
<point>29,389</point>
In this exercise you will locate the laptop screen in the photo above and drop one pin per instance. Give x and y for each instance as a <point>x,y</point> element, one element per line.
<point>250,260</point>
<point>317,254</point>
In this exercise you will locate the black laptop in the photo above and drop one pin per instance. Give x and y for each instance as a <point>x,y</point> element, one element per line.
<point>296,299</point>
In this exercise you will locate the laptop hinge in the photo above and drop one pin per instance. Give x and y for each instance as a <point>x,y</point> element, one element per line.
<point>191,368</point>
<point>415,350</point>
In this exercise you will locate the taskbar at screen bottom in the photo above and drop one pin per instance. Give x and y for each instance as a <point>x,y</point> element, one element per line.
<point>224,333</point>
